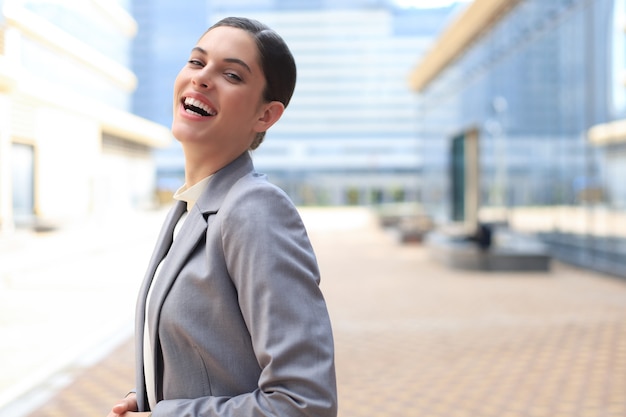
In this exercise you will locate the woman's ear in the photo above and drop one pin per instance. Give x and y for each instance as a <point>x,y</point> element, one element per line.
<point>271,113</point>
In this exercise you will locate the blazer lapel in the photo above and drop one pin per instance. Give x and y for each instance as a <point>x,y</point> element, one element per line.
<point>173,255</point>
<point>190,234</point>
<point>164,242</point>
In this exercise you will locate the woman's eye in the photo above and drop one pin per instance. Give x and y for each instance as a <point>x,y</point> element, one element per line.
<point>233,76</point>
<point>195,62</point>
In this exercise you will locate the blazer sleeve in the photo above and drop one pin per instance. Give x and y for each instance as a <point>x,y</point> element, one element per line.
<point>273,267</point>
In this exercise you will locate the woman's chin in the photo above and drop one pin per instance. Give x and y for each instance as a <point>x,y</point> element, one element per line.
<point>184,133</point>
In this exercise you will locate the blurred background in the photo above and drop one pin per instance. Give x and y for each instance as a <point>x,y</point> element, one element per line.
<point>385,91</point>
<point>441,117</point>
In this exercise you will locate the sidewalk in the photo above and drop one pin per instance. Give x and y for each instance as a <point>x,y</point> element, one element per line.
<point>413,338</point>
<point>65,295</point>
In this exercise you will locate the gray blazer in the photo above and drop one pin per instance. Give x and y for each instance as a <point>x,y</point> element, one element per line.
<point>243,329</point>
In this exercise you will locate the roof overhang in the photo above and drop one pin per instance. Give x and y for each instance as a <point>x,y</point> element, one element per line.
<point>135,129</point>
<point>462,32</point>
<point>608,133</point>
<point>110,119</point>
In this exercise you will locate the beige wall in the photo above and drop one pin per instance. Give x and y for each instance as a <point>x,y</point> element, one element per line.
<point>75,174</point>
<point>67,147</point>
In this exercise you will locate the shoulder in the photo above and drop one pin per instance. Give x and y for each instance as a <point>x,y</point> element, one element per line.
<point>254,191</point>
<point>256,188</point>
<point>255,205</point>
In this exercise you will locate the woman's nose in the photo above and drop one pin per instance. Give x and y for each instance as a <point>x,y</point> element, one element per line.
<point>202,79</point>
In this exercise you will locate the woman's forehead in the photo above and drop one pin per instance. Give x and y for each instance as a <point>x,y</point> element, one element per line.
<point>229,39</point>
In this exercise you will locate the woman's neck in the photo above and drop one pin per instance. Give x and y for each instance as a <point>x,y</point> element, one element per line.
<point>200,163</point>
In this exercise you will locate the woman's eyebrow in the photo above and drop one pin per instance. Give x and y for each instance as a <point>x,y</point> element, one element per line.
<point>198,49</point>
<point>239,62</point>
<point>229,60</point>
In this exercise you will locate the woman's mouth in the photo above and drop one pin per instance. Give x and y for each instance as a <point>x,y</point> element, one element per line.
<point>197,108</point>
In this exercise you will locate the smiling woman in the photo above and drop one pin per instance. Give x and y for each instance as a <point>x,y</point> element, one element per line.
<point>226,68</point>
<point>230,318</point>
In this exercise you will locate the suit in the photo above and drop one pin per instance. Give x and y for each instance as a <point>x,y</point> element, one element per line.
<point>240,327</point>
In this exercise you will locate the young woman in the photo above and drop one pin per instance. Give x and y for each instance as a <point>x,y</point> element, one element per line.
<point>230,317</point>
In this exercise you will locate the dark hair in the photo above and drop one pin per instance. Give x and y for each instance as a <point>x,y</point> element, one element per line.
<point>276,60</point>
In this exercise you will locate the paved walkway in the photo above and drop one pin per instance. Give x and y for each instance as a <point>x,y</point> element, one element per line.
<point>413,338</point>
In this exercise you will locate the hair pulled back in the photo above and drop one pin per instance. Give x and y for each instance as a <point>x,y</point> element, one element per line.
<point>276,61</point>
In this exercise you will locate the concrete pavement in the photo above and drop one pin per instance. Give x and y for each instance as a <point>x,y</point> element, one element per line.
<point>66,299</point>
<point>413,338</point>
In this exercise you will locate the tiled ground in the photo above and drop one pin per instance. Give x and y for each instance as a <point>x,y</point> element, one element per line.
<point>95,389</point>
<point>414,338</point>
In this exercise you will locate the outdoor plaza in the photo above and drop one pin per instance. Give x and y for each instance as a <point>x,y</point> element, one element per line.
<point>413,337</point>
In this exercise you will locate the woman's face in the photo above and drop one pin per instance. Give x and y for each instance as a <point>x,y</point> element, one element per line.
<point>218,93</point>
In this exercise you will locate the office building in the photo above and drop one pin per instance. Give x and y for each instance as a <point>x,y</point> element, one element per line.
<point>69,145</point>
<point>541,85</point>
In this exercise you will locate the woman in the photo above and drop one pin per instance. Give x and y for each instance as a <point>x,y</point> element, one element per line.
<point>230,318</point>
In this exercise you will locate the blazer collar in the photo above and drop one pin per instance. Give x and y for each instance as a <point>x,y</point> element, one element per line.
<point>194,227</point>
<point>222,181</point>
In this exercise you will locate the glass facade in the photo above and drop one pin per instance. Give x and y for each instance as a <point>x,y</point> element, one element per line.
<point>533,86</point>
<point>618,61</point>
<point>525,86</point>
<point>100,34</point>
<point>97,51</point>
<point>68,73</point>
